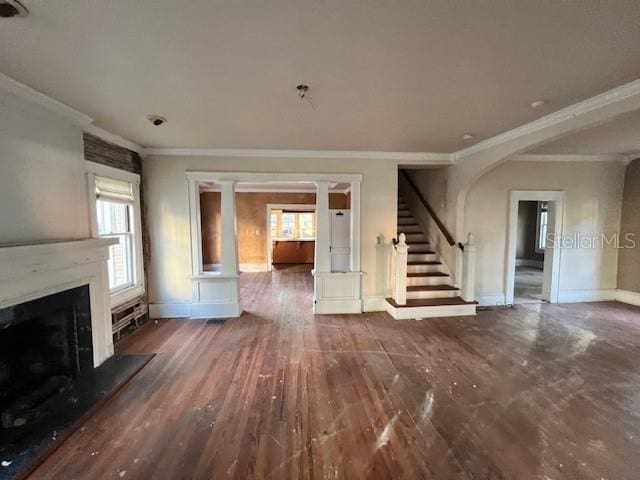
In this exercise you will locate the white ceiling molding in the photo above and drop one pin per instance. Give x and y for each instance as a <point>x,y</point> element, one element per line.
<point>628,90</point>
<point>75,117</point>
<point>113,138</point>
<point>536,157</point>
<point>440,158</point>
<point>268,177</point>
<point>27,93</point>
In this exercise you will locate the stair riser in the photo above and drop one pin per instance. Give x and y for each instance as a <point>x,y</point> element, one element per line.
<point>415,237</point>
<point>433,294</point>
<point>430,312</point>
<point>423,268</point>
<point>405,220</point>
<point>409,229</point>
<point>422,281</point>
<point>422,257</point>
<point>404,212</point>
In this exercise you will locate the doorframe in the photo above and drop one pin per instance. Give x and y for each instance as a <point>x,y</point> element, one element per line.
<point>302,207</point>
<point>552,275</point>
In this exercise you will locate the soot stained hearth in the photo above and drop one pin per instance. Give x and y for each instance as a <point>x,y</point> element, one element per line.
<point>44,345</point>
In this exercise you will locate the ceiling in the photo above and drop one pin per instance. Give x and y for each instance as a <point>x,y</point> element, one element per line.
<point>619,136</point>
<point>410,75</point>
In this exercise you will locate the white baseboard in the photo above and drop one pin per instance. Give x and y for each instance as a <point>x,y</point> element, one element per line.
<point>337,306</point>
<point>215,310</point>
<point>575,296</point>
<point>170,310</point>
<point>625,296</point>
<point>374,304</point>
<point>491,299</point>
<point>525,262</point>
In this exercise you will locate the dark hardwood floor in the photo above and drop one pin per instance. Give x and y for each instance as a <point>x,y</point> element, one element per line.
<point>547,392</point>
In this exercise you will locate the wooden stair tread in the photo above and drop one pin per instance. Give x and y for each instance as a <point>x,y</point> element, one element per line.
<point>417,243</point>
<point>431,302</point>
<point>424,263</point>
<point>427,274</point>
<point>431,288</point>
<point>421,252</point>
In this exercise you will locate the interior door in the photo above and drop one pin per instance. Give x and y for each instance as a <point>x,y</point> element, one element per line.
<point>340,240</point>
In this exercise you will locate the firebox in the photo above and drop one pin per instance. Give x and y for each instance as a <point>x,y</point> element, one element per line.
<point>44,345</point>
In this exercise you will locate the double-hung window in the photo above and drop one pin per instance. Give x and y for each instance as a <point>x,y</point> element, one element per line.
<point>541,227</point>
<point>115,204</point>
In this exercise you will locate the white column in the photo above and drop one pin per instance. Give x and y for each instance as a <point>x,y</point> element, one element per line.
<point>196,227</point>
<point>229,241</point>
<point>400,282</point>
<point>323,229</point>
<point>355,226</point>
<point>469,270</point>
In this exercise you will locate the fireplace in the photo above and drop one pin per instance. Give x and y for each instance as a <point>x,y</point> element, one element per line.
<point>44,345</point>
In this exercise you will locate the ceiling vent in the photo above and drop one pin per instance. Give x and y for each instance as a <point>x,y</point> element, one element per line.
<point>12,8</point>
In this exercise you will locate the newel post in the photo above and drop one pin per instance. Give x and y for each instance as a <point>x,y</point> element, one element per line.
<point>401,250</point>
<point>469,270</point>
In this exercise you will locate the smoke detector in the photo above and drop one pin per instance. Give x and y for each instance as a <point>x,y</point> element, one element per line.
<point>12,8</point>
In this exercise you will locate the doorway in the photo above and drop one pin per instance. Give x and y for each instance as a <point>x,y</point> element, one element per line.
<point>533,259</point>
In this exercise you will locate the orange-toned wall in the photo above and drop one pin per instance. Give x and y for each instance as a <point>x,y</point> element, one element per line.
<point>251,213</point>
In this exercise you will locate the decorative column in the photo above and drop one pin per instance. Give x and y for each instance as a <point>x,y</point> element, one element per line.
<point>355,226</point>
<point>400,282</point>
<point>229,240</point>
<point>323,229</point>
<point>469,270</point>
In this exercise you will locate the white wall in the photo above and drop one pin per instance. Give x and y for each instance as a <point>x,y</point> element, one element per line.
<point>42,185</point>
<point>165,190</point>
<point>592,206</point>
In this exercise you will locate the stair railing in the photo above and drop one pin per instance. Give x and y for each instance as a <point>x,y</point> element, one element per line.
<point>400,255</point>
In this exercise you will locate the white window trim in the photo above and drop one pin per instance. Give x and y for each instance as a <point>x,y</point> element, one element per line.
<point>302,207</point>
<point>93,169</point>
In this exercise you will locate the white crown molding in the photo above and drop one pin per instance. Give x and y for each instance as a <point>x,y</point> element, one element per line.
<point>113,138</point>
<point>72,115</point>
<point>534,157</point>
<point>628,90</point>
<point>27,93</point>
<point>442,158</point>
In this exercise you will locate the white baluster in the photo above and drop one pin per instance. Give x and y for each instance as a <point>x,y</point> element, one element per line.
<point>469,270</point>
<point>401,254</point>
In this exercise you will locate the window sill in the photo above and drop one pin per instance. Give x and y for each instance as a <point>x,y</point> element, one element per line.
<point>122,296</point>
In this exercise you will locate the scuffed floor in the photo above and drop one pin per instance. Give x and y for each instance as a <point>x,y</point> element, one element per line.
<point>543,392</point>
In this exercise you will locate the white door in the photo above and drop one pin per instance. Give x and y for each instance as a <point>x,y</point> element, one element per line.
<point>340,240</point>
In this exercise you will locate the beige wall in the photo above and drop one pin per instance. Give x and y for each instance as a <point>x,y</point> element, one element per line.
<point>168,211</point>
<point>593,193</point>
<point>251,214</point>
<point>629,258</point>
<point>43,192</point>
<point>432,183</point>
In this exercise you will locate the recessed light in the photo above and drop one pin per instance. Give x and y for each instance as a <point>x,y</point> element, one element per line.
<point>468,136</point>
<point>538,103</point>
<point>156,120</point>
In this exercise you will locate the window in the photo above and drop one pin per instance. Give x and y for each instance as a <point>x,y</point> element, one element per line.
<point>114,221</point>
<point>115,208</point>
<point>543,214</point>
<point>293,225</point>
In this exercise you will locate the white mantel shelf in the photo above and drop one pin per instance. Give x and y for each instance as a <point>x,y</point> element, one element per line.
<point>32,271</point>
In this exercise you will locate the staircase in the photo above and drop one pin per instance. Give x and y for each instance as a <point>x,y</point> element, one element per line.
<point>430,290</point>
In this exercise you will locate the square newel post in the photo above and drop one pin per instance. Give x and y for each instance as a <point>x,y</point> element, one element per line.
<point>469,270</point>
<point>323,229</point>
<point>229,240</point>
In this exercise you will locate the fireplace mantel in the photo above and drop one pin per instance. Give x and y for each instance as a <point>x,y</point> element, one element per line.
<point>32,271</point>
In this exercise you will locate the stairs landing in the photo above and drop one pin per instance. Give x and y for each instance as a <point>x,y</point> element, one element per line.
<point>429,289</point>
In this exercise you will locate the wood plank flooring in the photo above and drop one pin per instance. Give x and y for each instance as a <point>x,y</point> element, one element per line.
<point>545,392</point>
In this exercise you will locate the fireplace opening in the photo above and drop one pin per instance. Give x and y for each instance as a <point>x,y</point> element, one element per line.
<point>44,345</point>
